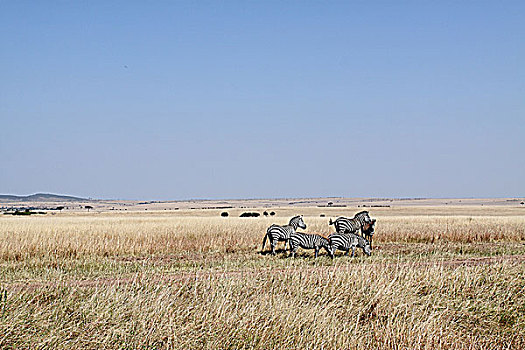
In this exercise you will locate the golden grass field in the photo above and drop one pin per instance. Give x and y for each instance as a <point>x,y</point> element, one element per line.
<point>439,277</point>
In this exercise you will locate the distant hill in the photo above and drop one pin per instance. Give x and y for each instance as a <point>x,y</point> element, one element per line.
<point>41,197</point>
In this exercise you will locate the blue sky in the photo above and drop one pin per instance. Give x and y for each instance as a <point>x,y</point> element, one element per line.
<point>176,100</point>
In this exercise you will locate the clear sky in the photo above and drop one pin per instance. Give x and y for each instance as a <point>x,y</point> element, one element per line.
<point>227,99</point>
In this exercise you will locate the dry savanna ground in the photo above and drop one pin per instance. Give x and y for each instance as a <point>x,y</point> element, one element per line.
<point>439,277</point>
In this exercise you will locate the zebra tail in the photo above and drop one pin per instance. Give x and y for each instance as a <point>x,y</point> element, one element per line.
<point>331,222</point>
<point>264,242</point>
<point>264,239</point>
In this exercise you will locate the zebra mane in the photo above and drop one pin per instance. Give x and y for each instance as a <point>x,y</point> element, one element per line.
<point>361,216</point>
<point>294,219</point>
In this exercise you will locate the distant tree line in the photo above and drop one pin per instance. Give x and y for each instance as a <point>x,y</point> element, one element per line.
<point>248,214</point>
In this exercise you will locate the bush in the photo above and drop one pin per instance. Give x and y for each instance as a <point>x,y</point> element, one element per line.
<point>224,214</point>
<point>248,214</point>
<point>25,212</point>
<point>272,213</point>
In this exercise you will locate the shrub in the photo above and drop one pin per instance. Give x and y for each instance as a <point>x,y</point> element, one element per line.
<point>25,212</point>
<point>248,214</point>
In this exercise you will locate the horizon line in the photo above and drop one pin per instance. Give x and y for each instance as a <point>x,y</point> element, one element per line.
<point>258,198</point>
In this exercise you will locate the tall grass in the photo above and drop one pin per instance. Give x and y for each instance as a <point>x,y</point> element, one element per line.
<point>416,307</point>
<point>145,296</point>
<point>71,237</point>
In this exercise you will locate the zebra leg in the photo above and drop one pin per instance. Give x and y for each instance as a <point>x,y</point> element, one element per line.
<point>293,249</point>
<point>273,243</point>
<point>353,251</point>
<point>316,252</point>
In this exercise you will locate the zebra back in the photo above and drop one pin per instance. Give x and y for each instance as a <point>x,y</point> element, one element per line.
<point>308,240</point>
<point>346,241</point>
<point>346,225</point>
<point>283,233</point>
<point>351,225</point>
<point>343,240</point>
<point>280,232</point>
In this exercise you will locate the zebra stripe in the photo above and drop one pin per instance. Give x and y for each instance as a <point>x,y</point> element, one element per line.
<point>347,241</point>
<point>347,225</point>
<point>276,233</point>
<point>308,241</point>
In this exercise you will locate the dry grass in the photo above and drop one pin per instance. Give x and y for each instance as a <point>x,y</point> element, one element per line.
<point>361,306</point>
<point>190,282</point>
<point>72,236</point>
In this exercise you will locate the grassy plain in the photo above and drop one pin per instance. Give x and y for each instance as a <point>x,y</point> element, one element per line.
<point>439,277</point>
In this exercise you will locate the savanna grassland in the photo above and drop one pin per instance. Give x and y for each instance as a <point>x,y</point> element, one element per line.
<point>439,277</point>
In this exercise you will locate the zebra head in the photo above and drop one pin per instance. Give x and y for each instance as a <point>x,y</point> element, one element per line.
<point>369,228</point>
<point>363,217</point>
<point>297,221</point>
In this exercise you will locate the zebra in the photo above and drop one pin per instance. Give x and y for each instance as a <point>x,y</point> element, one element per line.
<point>347,241</point>
<point>346,225</point>
<point>368,231</point>
<point>277,233</point>
<point>308,241</point>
